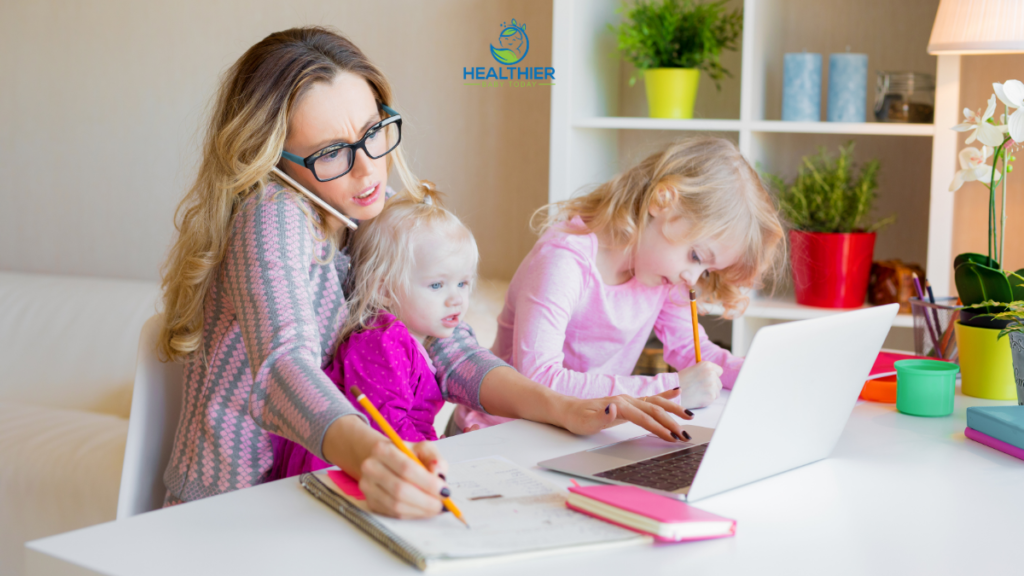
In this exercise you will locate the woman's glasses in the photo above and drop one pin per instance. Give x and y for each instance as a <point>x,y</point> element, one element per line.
<point>337,160</point>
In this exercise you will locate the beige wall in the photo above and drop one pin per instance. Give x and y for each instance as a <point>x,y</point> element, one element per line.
<point>101,104</point>
<point>970,222</point>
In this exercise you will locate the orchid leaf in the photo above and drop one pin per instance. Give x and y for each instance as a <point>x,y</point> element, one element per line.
<point>977,283</point>
<point>1016,283</point>
<point>972,257</point>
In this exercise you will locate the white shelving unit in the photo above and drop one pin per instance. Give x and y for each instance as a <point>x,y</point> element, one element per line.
<point>598,126</point>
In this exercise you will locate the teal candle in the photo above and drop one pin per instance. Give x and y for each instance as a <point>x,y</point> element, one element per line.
<point>801,87</point>
<point>847,87</point>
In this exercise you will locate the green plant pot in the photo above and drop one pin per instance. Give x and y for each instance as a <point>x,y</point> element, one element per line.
<point>1017,351</point>
<point>671,92</point>
<point>986,365</point>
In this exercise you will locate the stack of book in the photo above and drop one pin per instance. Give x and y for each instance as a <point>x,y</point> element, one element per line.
<point>999,427</point>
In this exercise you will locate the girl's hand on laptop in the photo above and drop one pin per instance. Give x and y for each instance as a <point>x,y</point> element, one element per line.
<point>700,385</point>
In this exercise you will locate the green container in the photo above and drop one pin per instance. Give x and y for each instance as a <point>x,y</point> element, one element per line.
<point>925,387</point>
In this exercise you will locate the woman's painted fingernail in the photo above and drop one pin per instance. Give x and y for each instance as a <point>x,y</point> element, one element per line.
<point>676,436</point>
<point>685,434</point>
<point>688,413</point>
<point>607,409</point>
<point>445,492</point>
<point>676,388</point>
<point>442,476</point>
<point>444,508</point>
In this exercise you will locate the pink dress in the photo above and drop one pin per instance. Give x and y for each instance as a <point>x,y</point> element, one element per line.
<point>394,371</point>
<point>563,327</point>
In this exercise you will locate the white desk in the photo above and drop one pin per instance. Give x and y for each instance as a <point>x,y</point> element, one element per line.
<point>900,495</point>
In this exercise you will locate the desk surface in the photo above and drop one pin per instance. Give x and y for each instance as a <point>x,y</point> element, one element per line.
<point>899,495</point>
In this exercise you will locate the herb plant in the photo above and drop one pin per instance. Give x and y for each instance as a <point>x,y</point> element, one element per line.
<point>679,34</point>
<point>829,194</point>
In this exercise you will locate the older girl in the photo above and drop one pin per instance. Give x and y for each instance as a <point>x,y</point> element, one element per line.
<point>253,286</point>
<point>618,262</point>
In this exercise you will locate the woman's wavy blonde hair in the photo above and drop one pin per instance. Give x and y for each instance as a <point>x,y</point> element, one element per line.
<point>244,139</point>
<point>384,256</point>
<point>716,191</point>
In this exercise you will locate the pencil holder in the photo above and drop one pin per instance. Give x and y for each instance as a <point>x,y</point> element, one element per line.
<point>934,328</point>
<point>925,387</point>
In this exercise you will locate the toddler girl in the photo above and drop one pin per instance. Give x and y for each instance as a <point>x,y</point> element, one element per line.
<point>414,265</point>
<point>619,261</point>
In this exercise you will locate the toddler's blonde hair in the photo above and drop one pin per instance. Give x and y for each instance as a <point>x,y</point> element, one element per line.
<point>384,256</point>
<point>716,191</point>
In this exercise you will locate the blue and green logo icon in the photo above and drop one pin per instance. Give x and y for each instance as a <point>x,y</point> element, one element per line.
<point>513,42</point>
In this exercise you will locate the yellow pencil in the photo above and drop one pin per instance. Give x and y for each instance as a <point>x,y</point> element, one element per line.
<point>397,440</point>
<point>693,315</point>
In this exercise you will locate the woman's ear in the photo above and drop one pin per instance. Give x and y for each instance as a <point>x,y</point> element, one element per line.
<point>663,199</point>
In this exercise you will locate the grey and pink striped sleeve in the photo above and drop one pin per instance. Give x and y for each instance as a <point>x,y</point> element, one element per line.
<point>268,281</point>
<point>462,363</point>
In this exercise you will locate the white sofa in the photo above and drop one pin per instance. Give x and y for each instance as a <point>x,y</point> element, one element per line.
<point>67,363</point>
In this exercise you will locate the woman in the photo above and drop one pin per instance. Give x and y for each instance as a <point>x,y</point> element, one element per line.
<point>253,287</point>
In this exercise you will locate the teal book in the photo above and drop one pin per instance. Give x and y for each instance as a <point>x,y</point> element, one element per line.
<point>1004,423</point>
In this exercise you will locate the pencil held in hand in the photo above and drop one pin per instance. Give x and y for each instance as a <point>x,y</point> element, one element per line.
<point>693,315</point>
<point>399,443</point>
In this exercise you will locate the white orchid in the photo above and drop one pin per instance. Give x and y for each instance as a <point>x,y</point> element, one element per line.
<point>1012,94</point>
<point>988,134</point>
<point>973,167</point>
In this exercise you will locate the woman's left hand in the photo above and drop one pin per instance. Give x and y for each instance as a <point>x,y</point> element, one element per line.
<point>651,413</point>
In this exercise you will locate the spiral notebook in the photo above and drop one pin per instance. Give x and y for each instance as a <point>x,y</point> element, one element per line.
<point>513,513</point>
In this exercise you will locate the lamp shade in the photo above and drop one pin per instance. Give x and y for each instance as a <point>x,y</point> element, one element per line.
<point>978,27</point>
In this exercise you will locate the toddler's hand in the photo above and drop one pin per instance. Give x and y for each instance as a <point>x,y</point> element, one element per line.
<point>700,385</point>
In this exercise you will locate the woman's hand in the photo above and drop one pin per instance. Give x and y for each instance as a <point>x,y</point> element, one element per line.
<point>651,413</point>
<point>394,485</point>
<point>700,385</point>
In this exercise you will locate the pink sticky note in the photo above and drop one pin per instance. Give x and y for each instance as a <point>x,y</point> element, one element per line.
<point>346,483</point>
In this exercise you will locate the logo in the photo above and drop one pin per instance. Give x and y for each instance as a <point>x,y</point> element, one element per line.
<point>514,44</point>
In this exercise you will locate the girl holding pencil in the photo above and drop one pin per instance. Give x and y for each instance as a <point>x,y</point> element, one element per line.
<point>620,261</point>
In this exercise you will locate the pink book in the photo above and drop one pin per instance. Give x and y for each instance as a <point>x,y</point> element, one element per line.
<point>667,519</point>
<point>982,438</point>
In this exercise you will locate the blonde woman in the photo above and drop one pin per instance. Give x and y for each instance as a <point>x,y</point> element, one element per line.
<point>618,262</point>
<point>254,296</point>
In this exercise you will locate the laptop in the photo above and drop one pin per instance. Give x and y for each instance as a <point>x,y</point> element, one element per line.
<point>790,403</point>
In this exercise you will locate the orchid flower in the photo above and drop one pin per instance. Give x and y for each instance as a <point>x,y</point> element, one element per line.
<point>973,167</point>
<point>988,134</point>
<point>1012,94</point>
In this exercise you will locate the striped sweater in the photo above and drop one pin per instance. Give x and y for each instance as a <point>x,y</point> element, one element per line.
<point>272,318</point>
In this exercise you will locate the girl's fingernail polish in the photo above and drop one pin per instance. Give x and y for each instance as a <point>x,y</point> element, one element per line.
<point>676,436</point>
<point>445,492</point>
<point>607,409</point>
<point>686,434</point>
<point>442,477</point>
<point>688,413</point>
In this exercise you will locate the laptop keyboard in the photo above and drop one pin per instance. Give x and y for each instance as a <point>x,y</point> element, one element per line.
<point>667,472</point>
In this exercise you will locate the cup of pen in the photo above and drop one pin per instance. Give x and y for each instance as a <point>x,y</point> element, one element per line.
<point>925,387</point>
<point>935,327</point>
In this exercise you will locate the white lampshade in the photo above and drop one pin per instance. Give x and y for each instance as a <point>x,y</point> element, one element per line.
<point>978,27</point>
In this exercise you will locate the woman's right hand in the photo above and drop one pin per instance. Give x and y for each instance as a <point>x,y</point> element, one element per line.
<point>396,486</point>
<point>700,385</point>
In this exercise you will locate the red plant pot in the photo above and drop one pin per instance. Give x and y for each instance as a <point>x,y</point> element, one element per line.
<point>830,270</point>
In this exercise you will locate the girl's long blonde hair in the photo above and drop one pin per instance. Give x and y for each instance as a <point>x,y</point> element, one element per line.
<point>384,256</point>
<point>716,191</point>
<point>244,140</point>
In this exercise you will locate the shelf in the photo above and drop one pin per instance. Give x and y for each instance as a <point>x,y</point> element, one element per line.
<point>786,309</point>
<point>775,126</point>
<point>874,128</point>
<point>640,123</point>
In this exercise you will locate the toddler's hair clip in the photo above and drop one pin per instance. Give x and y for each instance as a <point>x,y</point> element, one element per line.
<point>428,200</point>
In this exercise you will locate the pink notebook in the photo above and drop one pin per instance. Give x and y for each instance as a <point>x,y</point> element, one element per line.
<point>667,519</point>
<point>982,438</point>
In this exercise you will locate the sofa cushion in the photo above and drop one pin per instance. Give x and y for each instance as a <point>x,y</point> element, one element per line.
<point>60,470</point>
<point>70,342</point>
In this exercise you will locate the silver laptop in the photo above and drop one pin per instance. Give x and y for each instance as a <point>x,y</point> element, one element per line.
<point>790,403</point>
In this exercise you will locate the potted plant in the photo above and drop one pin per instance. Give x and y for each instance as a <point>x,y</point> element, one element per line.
<point>671,42</point>
<point>1011,320</point>
<point>831,237</point>
<point>984,287</point>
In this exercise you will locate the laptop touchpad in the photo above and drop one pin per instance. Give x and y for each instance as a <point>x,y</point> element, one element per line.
<point>640,448</point>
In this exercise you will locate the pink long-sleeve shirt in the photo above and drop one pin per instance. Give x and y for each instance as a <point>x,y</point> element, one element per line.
<point>563,327</point>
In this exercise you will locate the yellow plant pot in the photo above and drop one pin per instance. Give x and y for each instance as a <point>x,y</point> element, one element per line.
<point>986,365</point>
<point>671,92</point>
